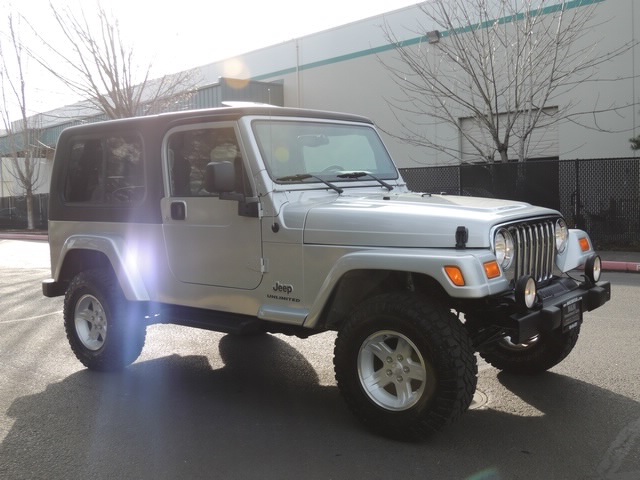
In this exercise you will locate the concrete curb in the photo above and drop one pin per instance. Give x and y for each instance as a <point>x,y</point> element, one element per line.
<point>24,236</point>
<point>609,266</point>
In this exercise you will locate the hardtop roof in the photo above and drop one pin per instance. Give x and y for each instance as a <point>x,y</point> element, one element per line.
<point>221,113</point>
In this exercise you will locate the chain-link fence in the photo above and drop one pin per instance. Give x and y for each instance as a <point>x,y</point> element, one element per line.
<point>601,196</point>
<point>13,212</point>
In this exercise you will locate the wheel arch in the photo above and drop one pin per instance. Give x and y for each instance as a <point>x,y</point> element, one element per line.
<point>389,268</point>
<point>358,285</point>
<point>81,253</point>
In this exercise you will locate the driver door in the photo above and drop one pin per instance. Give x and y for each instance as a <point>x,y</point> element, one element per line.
<point>207,241</point>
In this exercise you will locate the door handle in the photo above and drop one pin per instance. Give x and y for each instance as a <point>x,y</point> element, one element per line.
<point>178,210</point>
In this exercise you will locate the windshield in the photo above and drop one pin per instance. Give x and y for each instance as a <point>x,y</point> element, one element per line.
<point>302,151</point>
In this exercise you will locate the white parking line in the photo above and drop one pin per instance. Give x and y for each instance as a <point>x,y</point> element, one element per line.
<point>28,319</point>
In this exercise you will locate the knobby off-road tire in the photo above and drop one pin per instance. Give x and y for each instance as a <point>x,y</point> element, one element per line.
<point>405,366</point>
<point>537,355</point>
<point>105,331</point>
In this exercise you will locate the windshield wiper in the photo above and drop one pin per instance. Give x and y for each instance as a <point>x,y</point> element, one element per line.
<point>366,174</point>
<point>305,176</point>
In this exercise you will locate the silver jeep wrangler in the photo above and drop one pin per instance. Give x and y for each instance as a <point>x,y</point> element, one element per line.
<point>266,219</point>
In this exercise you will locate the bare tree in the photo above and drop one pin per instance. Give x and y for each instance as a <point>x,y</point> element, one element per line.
<point>635,142</point>
<point>99,67</point>
<point>21,135</point>
<point>499,65</point>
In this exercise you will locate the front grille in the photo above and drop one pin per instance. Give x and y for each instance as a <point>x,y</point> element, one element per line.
<point>535,249</point>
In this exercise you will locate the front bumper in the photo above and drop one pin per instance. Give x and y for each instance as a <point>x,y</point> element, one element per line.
<point>560,306</point>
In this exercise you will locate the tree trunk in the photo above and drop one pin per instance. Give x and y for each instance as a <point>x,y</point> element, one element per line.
<point>30,222</point>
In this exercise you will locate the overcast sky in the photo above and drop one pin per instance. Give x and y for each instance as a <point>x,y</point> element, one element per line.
<point>186,33</point>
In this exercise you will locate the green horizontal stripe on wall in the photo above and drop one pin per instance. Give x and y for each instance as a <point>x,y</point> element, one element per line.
<point>414,41</point>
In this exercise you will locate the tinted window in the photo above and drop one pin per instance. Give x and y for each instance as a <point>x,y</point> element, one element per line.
<point>190,151</point>
<point>105,170</point>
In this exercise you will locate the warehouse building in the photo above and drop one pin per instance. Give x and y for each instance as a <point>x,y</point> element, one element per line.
<point>345,69</point>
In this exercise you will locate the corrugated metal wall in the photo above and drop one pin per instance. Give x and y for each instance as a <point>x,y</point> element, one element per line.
<point>210,96</point>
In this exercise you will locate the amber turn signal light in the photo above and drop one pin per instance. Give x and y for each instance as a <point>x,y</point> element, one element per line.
<point>492,269</point>
<point>455,275</point>
<point>584,244</point>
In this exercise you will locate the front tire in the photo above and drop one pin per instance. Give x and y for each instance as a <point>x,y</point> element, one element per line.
<point>537,355</point>
<point>105,331</point>
<point>405,366</point>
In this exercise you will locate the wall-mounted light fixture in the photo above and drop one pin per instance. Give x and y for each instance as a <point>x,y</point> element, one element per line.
<point>433,36</point>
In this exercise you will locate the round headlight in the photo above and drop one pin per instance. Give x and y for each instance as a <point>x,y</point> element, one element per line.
<point>562,235</point>
<point>504,248</point>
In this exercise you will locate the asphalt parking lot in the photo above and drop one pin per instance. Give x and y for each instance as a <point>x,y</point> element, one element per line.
<point>200,404</point>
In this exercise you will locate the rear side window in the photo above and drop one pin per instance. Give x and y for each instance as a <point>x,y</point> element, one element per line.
<point>105,170</point>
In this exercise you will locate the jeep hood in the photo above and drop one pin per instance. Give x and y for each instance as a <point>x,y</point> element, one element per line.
<point>406,219</point>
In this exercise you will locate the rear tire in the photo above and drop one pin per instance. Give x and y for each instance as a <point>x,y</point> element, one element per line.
<point>405,366</point>
<point>106,332</point>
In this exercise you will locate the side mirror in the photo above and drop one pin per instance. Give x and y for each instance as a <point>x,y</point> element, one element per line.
<point>220,177</point>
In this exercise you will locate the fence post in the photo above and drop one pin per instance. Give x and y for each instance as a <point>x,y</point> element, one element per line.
<point>577,213</point>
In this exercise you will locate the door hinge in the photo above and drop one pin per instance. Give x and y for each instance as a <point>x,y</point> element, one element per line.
<point>264,265</point>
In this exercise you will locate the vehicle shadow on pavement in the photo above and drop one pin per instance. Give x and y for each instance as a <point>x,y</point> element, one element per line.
<point>258,411</point>
<point>552,426</point>
<point>174,416</point>
<point>580,415</point>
